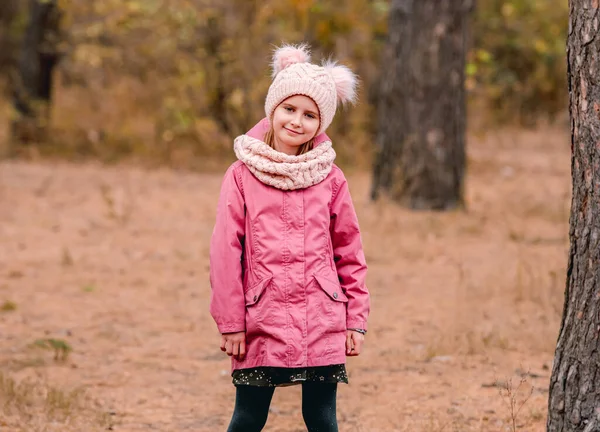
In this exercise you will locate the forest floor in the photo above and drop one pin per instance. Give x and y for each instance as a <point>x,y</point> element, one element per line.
<point>112,262</point>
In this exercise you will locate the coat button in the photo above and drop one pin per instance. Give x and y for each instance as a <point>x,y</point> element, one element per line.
<point>335,295</point>
<point>255,298</point>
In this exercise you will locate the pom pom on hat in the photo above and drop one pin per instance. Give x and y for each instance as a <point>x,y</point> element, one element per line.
<point>288,55</point>
<point>345,81</point>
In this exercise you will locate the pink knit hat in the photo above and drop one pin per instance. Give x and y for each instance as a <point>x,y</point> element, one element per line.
<point>327,84</point>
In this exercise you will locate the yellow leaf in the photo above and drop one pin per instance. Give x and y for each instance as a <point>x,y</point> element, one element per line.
<point>507,10</point>
<point>134,6</point>
<point>471,69</point>
<point>541,46</point>
<point>484,56</point>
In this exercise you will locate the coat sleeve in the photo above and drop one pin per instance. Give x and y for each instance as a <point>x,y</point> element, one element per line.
<point>349,256</point>
<point>227,305</point>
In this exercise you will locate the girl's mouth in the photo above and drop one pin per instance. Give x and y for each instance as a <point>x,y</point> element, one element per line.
<point>294,132</point>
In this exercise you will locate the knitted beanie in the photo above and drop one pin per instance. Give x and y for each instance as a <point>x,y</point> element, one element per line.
<point>326,84</point>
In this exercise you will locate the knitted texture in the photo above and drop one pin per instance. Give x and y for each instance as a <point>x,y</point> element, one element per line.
<point>327,84</point>
<point>282,171</point>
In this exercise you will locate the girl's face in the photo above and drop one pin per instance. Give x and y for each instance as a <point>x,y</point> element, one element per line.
<point>295,122</point>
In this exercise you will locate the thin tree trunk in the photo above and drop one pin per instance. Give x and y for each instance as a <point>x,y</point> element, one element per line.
<point>574,400</point>
<point>9,10</point>
<point>214,45</point>
<point>33,84</point>
<point>420,157</point>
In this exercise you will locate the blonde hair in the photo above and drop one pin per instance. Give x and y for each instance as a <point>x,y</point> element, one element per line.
<point>304,148</point>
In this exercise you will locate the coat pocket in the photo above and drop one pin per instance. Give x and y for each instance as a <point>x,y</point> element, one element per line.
<point>333,305</point>
<point>255,308</point>
<point>254,294</point>
<point>333,289</point>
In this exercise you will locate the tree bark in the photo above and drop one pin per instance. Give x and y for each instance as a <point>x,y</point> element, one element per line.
<point>32,94</point>
<point>574,399</point>
<point>420,158</point>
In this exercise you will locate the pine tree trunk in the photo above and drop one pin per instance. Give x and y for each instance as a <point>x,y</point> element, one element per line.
<point>574,401</point>
<point>32,95</point>
<point>420,158</point>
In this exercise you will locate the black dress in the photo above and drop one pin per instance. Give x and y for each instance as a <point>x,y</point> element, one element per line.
<point>281,377</point>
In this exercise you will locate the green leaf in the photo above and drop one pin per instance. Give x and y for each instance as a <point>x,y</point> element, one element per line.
<point>471,69</point>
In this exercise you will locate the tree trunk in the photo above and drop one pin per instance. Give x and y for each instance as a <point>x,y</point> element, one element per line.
<point>9,10</point>
<point>32,95</point>
<point>574,400</point>
<point>215,38</point>
<point>420,157</point>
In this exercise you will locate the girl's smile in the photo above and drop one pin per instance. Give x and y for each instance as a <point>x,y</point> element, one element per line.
<point>292,132</point>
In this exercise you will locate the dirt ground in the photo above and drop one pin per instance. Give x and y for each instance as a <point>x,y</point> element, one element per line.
<point>113,261</point>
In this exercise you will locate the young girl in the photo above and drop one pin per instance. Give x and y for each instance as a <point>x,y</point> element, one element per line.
<point>287,267</point>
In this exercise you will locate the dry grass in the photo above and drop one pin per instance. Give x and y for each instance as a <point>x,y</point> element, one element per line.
<point>32,405</point>
<point>8,306</point>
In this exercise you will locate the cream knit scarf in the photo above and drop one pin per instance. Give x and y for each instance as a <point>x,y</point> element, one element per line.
<point>281,170</point>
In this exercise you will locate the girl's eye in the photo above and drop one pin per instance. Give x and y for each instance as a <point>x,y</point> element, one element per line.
<point>310,116</point>
<point>288,109</point>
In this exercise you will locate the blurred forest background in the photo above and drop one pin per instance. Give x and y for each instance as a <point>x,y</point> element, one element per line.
<point>173,81</point>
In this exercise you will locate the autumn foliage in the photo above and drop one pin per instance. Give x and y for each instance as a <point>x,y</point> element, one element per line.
<point>173,81</point>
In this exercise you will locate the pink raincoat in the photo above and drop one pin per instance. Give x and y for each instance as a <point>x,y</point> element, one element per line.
<point>288,268</point>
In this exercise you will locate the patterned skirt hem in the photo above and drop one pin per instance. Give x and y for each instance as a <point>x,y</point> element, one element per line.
<point>283,377</point>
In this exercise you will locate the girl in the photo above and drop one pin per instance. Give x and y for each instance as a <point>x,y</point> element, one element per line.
<point>287,268</point>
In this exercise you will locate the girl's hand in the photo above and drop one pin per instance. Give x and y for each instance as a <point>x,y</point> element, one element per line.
<point>234,344</point>
<point>354,342</point>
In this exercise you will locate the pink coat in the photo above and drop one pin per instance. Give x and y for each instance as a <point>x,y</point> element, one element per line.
<point>288,268</point>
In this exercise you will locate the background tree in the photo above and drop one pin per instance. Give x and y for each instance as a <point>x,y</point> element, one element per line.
<point>421,112</point>
<point>574,390</point>
<point>32,89</point>
<point>8,16</point>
